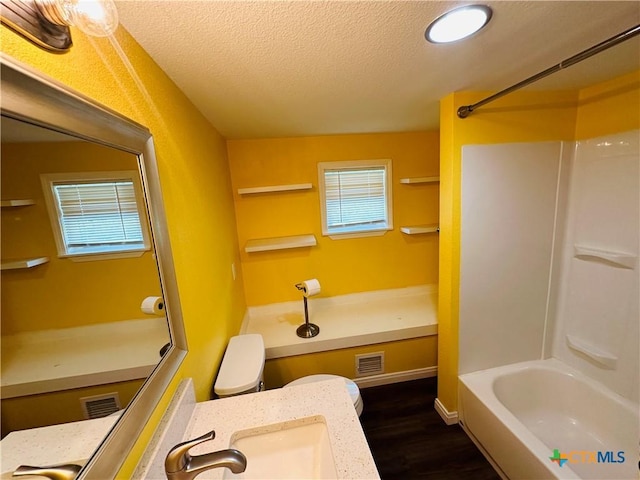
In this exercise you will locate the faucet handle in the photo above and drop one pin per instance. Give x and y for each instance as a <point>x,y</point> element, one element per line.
<point>54,472</point>
<point>178,457</point>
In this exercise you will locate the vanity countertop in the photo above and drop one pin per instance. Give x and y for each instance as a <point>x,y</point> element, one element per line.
<point>329,399</point>
<point>73,442</point>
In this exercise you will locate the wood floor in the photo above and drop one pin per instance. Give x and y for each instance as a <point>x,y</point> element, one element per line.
<point>409,440</point>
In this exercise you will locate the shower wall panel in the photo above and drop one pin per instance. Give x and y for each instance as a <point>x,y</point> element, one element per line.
<point>597,316</point>
<point>509,196</point>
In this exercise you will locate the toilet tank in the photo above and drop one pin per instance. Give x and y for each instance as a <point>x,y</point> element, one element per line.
<point>242,366</point>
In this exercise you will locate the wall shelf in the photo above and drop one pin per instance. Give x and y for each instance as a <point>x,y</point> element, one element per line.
<point>624,260</point>
<point>417,180</point>
<point>23,263</point>
<point>280,243</point>
<point>275,188</point>
<point>603,358</point>
<point>419,229</point>
<point>17,203</point>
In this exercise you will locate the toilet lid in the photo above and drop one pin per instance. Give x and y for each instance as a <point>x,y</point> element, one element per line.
<point>354,391</point>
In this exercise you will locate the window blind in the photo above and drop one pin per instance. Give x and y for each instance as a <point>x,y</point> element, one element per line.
<point>99,214</point>
<point>355,198</point>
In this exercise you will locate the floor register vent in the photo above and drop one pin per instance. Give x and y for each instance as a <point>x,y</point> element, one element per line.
<point>99,406</point>
<point>369,364</point>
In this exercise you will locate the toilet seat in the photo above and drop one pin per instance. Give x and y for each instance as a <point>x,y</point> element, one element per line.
<point>354,391</point>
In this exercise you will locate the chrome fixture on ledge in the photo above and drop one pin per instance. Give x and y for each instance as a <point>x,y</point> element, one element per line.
<point>54,472</point>
<point>307,330</point>
<point>179,465</point>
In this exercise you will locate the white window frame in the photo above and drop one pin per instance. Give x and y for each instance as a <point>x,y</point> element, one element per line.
<point>356,165</point>
<point>49,180</point>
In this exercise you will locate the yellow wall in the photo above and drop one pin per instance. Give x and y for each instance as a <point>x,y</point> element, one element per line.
<point>610,107</point>
<point>343,266</point>
<point>194,176</point>
<point>399,356</point>
<point>75,293</point>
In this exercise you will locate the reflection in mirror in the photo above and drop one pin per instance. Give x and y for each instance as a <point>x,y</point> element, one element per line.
<point>76,344</point>
<point>29,97</point>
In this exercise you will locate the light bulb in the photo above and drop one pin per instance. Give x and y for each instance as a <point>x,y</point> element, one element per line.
<point>98,18</point>
<point>457,24</point>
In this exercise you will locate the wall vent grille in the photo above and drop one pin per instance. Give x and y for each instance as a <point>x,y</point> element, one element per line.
<point>99,406</point>
<point>369,364</point>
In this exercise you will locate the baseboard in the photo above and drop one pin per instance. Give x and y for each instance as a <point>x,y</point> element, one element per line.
<point>450,418</point>
<point>396,377</point>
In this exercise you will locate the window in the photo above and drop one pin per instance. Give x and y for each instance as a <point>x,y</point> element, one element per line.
<point>355,197</point>
<point>96,213</point>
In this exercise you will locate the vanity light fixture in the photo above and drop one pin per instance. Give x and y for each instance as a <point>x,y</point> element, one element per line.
<point>98,18</point>
<point>47,22</point>
<point>458,23</point>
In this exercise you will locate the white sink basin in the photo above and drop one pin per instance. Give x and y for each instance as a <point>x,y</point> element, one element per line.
<point>290,450</point>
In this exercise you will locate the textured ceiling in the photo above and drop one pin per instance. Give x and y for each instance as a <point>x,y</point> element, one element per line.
<point>292,68</point>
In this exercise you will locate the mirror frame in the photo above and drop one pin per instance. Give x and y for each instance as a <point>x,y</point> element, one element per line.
<point>31,97</point>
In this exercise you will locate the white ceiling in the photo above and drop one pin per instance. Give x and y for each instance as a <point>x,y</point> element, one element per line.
<point>291,68</point>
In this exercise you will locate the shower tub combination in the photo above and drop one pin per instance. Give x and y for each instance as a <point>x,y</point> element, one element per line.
<point>523,415</point>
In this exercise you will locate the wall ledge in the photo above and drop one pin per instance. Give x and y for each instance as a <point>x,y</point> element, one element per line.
<point>346,321</point>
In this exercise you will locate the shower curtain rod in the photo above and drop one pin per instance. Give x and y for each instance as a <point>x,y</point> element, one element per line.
<point>466,110</point>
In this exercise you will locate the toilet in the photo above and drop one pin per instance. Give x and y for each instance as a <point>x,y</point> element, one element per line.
<point>242,370</point>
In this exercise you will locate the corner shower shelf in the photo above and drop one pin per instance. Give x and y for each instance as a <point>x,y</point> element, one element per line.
<point>600,356</point>
<point>275,188</point>
<point>418,229</point>
<point>279,243</point>
<point>23,263</point>
<point>416,180</point>
<point>17,203</point>
<point>624,260</point>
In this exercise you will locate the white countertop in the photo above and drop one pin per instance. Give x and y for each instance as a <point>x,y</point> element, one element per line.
<point>66,443</point>
<point>347,320</point>
<point>61,359</point>
<point>330,399</point>
<point>75,442</point>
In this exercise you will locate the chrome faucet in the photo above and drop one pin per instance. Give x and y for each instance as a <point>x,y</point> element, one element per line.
<point>179,465</point>
<point>54,472</point>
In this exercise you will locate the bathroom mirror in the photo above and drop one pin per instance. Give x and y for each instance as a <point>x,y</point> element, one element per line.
<point>54,131</point>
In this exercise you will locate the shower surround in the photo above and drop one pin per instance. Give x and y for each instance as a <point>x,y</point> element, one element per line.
<point>549,273</point>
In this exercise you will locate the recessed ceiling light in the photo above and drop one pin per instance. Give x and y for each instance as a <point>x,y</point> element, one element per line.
<point>458,23</point>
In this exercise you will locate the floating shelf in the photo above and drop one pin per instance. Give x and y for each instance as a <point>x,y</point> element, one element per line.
<point>600,356</point>
<point>23,263</point>
<point>418,229</point>
<point>624,260</point>
<point>415,180</point>
<point>17,203</point>
<point>275,188</point>
<point>279,243</point>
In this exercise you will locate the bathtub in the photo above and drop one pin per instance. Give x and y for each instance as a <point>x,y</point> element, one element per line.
<point>522,415</point>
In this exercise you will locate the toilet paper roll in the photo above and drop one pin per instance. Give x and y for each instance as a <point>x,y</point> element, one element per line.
<point>153,306</point>
<point>310,287</point>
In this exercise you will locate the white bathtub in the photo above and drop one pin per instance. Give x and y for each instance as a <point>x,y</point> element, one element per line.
<point>519,414</point>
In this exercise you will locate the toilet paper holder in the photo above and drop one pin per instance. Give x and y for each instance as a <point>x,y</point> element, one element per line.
<point>306,330</point>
